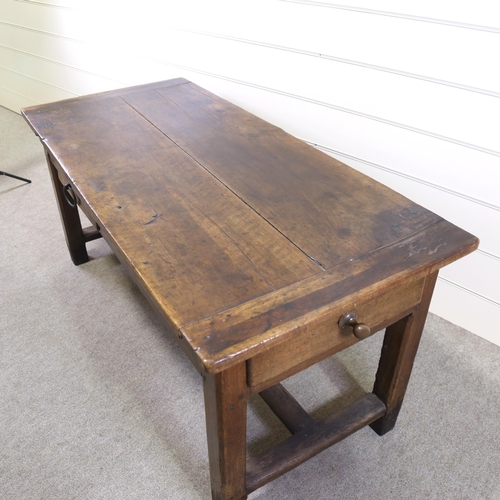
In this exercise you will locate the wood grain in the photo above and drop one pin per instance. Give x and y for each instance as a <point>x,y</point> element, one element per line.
<point>321,337</point>
<point>250,244</point>
<point>181,231</point>
<point>70,219</point>
<point>225,408</point>
<point>235,231</point>
<point>331,212</point>
<point>287,409</point>
<point>400,347</point>
<point>305,444</point>
<point>253,327</point>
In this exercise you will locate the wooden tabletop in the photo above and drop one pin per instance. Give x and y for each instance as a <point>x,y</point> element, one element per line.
<point>234,229</point>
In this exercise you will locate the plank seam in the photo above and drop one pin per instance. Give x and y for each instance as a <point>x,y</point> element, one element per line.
<point>308,53</point>
<point>39,3</point>
<point>19,94</point>
<point>353,62</point>
<point>65,65</point>
<point>399,15</point>
<point>335,107</point>
<point>37,80</point>
<point>469,291</point>
<point>406,176</point>
<point>315,261</point>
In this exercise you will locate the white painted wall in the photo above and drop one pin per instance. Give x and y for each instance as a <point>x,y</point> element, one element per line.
<point>407,92</point>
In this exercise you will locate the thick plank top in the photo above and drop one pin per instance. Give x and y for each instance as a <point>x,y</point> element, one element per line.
<point>215,211</point>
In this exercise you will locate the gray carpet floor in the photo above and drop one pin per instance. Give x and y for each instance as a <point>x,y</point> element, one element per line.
<point>97,402</point>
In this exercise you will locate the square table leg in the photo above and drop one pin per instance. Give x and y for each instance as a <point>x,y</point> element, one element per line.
<point>226,396</point>
<point>70,218</point>
<point>396,361</point>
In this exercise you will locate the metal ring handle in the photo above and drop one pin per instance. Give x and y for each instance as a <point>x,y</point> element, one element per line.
<point>360,330</point>
<point>70,198</point>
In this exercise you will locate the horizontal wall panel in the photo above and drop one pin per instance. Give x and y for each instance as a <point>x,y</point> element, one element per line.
<point>37,16</point>
<point>102,23</point>
<point>439,162</point>
<point>443,52</point>
<point>466,309</point>
<point>470,272</point>
<point>118,67</point>
<point>115,69</point>
<point>108,62</point>
<point>441,171</point>
<point>36,90</point>
<point>14,101</point>
<point>466,116</point>
<point>72,79</point>
<point>57,3</point>
<point>466,172</point>
<point>473,217</point>
<point>481,13</point>
<point>421,47</point>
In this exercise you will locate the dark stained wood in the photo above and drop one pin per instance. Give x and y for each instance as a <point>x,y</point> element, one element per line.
<point>321,337</point>
<point>304,445</point>
<point>253,327</point>
<point>225,408</point>
<point>203,199</point>
<point>287,409</point>
<point>91,234</point>
<point>396,362</point>
<point>328,210</point>
<point>185,233</point>
<point>250,244</point>
<point>70,218</point>
<point>43,109</point>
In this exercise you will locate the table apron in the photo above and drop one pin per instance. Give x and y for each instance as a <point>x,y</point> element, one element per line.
<point>323,337</point>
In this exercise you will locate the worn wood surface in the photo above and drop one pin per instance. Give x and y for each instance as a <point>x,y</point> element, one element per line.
<point>219,215</point>
<point>319,337</point>
<point>70,218</point>
<point>396,361</point>
<point>179,228</point>
<point>251,245</point>
<point>273,319</point>
<point>329,211</point>
<point>226,398</point>
<point>309,442</point>
<point>287,409</point>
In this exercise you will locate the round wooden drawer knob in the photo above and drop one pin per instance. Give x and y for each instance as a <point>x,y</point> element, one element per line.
<point>360,330</point>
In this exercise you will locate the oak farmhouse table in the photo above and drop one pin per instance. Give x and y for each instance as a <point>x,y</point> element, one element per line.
<point>262,255</point>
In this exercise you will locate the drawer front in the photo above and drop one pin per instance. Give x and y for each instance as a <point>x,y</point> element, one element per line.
<point>322,337</point>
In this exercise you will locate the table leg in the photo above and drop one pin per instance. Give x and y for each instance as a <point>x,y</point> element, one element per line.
<point>226,396</point>
<point>396,362</point>
<point>70,219</point>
